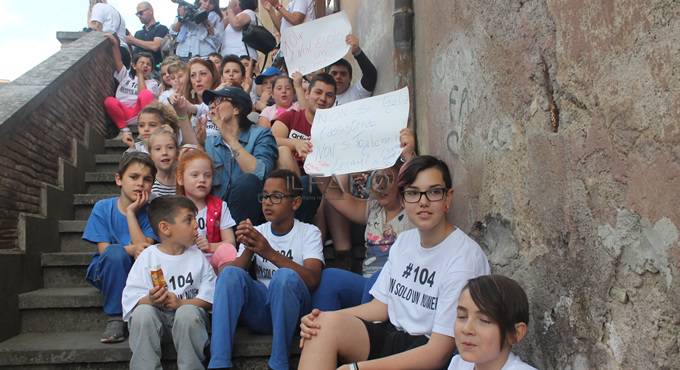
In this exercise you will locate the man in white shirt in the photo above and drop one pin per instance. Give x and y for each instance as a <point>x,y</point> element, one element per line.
<point>105,18</point>
<point>342,74</point>
<point>297,12</point>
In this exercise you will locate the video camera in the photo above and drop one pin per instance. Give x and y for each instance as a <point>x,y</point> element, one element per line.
<point>193,13</point>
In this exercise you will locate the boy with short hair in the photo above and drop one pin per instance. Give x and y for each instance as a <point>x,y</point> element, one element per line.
<point>120,228</point>
<point>177,303</point>
<point>288,259</point>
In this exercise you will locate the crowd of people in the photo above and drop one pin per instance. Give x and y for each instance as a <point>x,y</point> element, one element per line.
<point>218,225</point>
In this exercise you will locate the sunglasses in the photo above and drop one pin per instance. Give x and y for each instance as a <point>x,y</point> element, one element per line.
<point>139,13</point>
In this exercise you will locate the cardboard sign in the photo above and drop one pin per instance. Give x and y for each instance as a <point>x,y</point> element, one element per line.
<point>314,45</point>
<point>359,136</point>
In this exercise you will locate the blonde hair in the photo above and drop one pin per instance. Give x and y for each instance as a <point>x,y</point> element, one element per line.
<point>161,131</point>
<point>164,112</point>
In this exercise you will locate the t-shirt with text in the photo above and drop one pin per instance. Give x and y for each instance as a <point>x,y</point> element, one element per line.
<point>420,286</point>
<point>188,275</point>
<point>302,242</point>
<point>298,128</point>
<point>127,87</point>
<point>226,221</point>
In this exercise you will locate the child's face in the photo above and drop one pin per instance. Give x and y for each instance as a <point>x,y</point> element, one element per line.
<point>384,187</point>
<point>478,337</point>
<point>283,92</point>
<point>184,228</point>
<point>147,123</point>
<point>163,152</point>
<point>428,214</point>
<point>144,65</point>
<point>136,179</point>
<point>287,205</point>
<point>231,74</point>
<point>246,63</point>
<point>179,80</point>
<point>197,179</point>
<point>216,61</point>
<point>166,76</point>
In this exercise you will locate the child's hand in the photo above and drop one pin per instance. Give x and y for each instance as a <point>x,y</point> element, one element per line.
<point>158,295</point>
<point>253,240</point>
<point>203,244</point>
<point>353,43</point>
<point>308,326</point>
<point>171,302</point>
<point>135,249</point>
<point>297,79</point>
<point>142,199</point>
<point>127,139</point>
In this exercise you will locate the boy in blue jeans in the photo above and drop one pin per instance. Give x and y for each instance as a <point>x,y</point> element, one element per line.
<point>120,228</point>
<point>177,305</point>
<point>288,259</point>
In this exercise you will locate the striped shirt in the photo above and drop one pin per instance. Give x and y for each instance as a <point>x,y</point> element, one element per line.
<point>159,190</point>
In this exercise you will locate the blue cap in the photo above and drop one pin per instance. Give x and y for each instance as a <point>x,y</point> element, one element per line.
<point>270,71</point>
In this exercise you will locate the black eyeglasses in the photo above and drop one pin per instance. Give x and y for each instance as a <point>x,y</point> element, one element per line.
<point>275,198</point>
<point>433,195</point>
<point>139,13</point>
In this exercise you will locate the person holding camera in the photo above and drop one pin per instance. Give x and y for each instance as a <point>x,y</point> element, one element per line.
<point>198,35</point>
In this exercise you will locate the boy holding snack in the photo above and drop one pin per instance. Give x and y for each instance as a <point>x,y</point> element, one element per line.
<point>169,289</point>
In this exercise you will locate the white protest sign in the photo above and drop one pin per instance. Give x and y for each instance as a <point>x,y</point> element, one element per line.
<point>316,44</point>
<point>359,136</point>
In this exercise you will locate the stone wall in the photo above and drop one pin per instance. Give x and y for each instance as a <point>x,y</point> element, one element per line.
<point>558,120</point>
<point>41,113</point>
<point>50,119</point>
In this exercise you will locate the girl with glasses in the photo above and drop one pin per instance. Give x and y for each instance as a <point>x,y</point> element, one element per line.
<point>408,324</point>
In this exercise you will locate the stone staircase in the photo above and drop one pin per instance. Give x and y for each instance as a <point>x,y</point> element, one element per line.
<point>61,323</point>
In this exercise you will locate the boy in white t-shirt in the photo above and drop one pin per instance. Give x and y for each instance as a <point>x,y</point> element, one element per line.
<point>288,259</point>
<point>177,305</point>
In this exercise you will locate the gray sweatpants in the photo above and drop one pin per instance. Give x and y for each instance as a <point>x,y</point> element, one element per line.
<point>148,326</point>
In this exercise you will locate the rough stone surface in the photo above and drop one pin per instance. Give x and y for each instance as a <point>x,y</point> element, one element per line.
<point>581,209</point>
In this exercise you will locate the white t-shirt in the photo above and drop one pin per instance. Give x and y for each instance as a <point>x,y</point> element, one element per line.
<point>305,7</point>
<point>302,242</point>
<point>226,221</point>
<point>188,275</point>
<point>355,92</point>
<point>232,42</point>
<point>127,87</point>
<point>513,363</point>
<point>110,19</point>
<point>421,285</point>
<point>165,96</point>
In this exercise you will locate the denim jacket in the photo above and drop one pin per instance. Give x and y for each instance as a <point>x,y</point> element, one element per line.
<point>258,141</point>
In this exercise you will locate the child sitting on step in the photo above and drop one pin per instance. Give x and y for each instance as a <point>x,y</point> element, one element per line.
<point>492,315</point>
<point>215,234</point>
<point>121,230</point>
<point>169,290</point>
<point>162,146</point>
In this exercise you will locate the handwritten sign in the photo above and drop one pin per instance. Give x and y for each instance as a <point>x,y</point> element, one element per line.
<point>359,136</point>
<point>316,44</point>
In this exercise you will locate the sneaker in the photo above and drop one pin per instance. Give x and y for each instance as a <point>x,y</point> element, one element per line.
<point>115,332</point>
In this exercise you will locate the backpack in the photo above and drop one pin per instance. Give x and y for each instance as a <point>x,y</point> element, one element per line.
<point>258,38</point>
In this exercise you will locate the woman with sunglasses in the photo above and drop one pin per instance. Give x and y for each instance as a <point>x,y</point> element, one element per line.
<point>383,215</point>
<point>409,323</point>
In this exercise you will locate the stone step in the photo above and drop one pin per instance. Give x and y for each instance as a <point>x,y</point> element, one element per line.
<point>61,309</point>
<point>70,236</point>
<point>101,182</point>
<point>83,203</point>
<point>82,350</point>
<point>107,162</point>
<point>114,146</point>
<point>65,269</point>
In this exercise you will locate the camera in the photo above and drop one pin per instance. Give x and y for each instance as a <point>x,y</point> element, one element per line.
<point>193,13</point>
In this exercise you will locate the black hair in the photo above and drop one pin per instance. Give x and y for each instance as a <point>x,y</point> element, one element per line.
<point>293,183</point>
<point>325,78</point>
<point>342,63</point>
<point>421,163</point>
<point>247,4</point>
<point>135,157</point>
<point>215,4</point>
<point>232,58</point>
<point>135,59</point>
<point>502,299</point>
<point>215,54</point>
<point>165,208</point>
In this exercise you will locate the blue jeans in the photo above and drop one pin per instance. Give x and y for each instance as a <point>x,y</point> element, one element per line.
<point>275,310</point>
<point>342,289</point>
<point>242,199</point>
<point>108,272</point>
